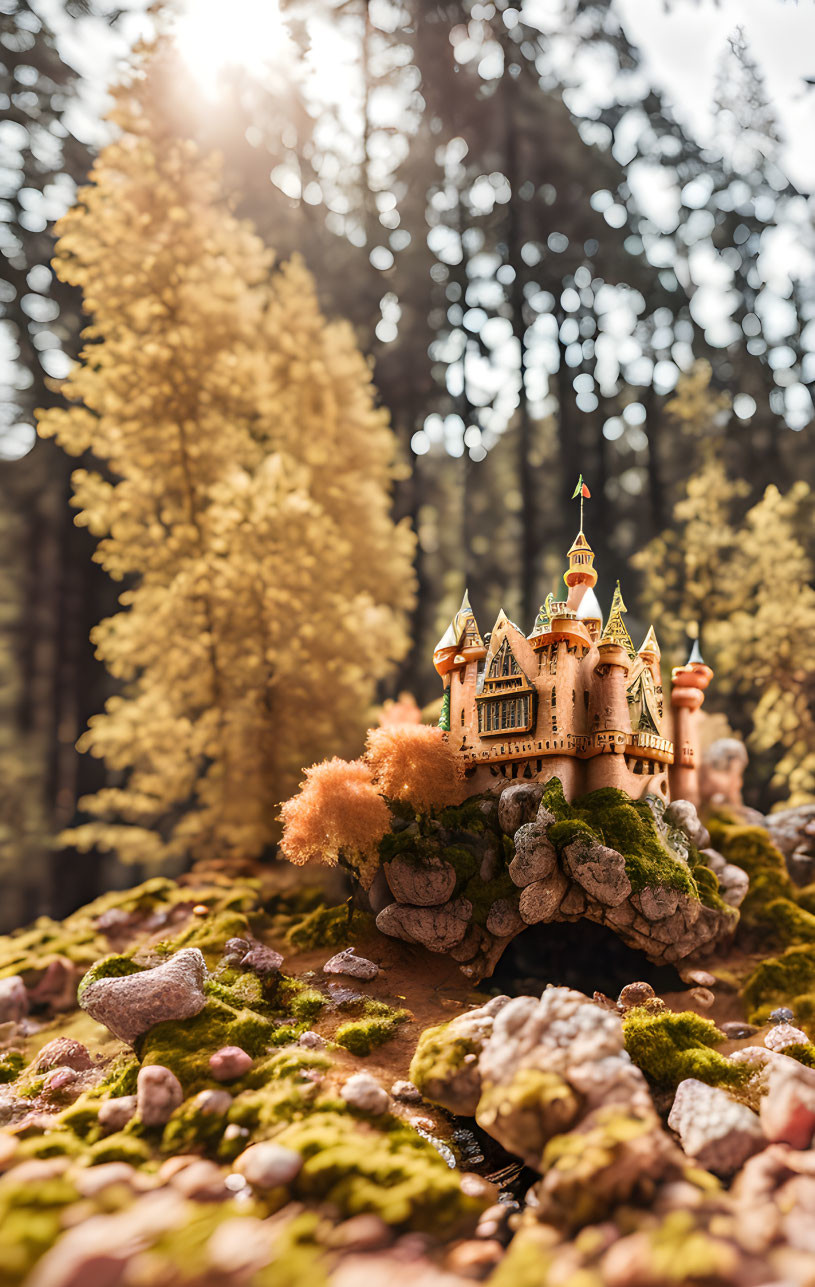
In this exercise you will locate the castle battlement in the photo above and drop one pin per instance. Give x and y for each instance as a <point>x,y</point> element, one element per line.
<point>574,699</point>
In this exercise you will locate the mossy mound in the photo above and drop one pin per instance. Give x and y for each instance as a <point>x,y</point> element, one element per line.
<point>377,1024</point>
<point>770,885</point>
<point>670,1047</point>
<point>628,826</point>
<point>389,1171</point>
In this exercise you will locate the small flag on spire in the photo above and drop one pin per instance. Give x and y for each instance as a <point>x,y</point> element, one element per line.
<point>581,490</point>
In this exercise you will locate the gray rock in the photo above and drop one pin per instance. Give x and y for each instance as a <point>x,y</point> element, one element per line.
<point>63,1052</point>
<point>785,1034</point>
<point>535,855</point>
<point>426,882</point>
<point>347,962</point>
<point>406,1093</point>
<point>436,928</point>
<point>600,871</point>
<point>13,999</point>
<point>504,919</point>
<point>517,804</point>
<point>541,900</point>
<point>114,1114</point>
<point>717,1131</point>
<point>635,994</point>
<point>734,884</point>
<point>263,961</point>
<point>158,1094</point>
<point>363,1092</point>
<point>268,1166</point>
<point>311,1040</point>
<point>455,1083</point>
<point>656,902</point>
<point>130,1005</point>
<point>682,814</point>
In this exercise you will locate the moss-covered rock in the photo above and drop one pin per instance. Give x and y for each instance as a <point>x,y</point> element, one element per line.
<point>392,1173</point>
<point>670,1047</point>
<point>30,1222</point>
<point>377,1024</point>
<point>114,966</point>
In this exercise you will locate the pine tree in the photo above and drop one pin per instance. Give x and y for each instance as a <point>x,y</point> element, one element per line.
<point>245,501</point>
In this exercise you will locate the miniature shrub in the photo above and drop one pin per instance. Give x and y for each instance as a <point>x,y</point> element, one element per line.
<point>378,1024</point>
<point>393,1173</point>
<point>338,815</point>
<point>783,980</point>
<point>415,763</point>
<point>669,1047</point>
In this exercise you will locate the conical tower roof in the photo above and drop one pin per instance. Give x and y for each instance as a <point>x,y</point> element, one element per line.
<point>589,607</point>
<point>649,644</point>
<point>615,631</point>
<point>695,657</point>
<point>580,543</point>
<point>543,620</point>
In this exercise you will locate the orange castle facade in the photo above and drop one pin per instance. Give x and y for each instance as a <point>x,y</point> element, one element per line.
<point>573,700</point>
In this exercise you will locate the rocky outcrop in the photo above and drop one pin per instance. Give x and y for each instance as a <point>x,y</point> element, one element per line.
<point>713,1128</point>
<point>561,870</point>
<point>128,1004</point>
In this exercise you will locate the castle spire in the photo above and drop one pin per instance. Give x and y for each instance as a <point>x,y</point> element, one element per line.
<point>615,631</point>
<point>581,575</point>
<point>695,658</point>
<point>543,620</point>
<point>649,646</point>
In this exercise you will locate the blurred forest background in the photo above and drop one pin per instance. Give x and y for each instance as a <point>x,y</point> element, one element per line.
<point>551,272</point>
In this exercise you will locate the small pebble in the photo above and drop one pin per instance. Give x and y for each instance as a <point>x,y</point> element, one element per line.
<point>63,1052</point>
<point>406,1092</point>
<point>268,1166</point>
<point>634,994</point>
<point>362,1233</point>
<point>784,1034</point>
<point>474,1258</point>
<point>347,962</point>
<point>235,1132</point>
<point>265,961</point>
<point>235,950</point>
<point>782,1015</point>
<point>158,1094</point>
<point>736,1030</point>
<point>311,1040</point>
<point>201,1181</point>
<point>700,978</point>
<point>235,1182</point>
<point>229,1063</point>
<point>703,997</point>
<point>61,1083</point>
<point>91,1180</point>
<point>114,1114</point>
<point>475,1186</point>
<point>210,1103</point>
<point>363,1092</point>
<point>200,909</point>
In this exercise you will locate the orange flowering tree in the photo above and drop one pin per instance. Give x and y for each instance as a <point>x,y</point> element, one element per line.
<point>341,812</point>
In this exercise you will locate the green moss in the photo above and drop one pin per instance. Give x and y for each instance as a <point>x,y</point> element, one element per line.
<point>30,1222</point>
<point>122,1146</point>
<point>682,1253</point>
<point>395,1174</point>
<point>377,1025</point>
<point>526,1261</point>
<point>184,1046</point>
<point>483,893</point>
<point>751,849</point>
<point>329,927</point>
<point>82,1118</point>
<point>210,933</point>
<point>12,1063</point>
<point>189,1130</point>
<point>804,1052</point>
<point>627,825</point>
<point>669,1047</point>
<point>120,1078</point>
<point>468,816</point>
<point>115,966</point>
<point>439,1055</point>
<point>575,1164</point>
<point>299,1258</point>
<point>53,1143</point>
<point>299,999</point>
<point>783,980</point>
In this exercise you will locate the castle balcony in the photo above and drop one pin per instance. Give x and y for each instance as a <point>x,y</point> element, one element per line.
<point>649,746</point>
<point>525,748</point>
<point>563,630</point>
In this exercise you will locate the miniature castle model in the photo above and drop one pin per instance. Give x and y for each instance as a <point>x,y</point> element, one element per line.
<point>573,700</point>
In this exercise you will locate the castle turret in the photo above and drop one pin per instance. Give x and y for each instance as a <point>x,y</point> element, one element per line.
<point>609,722</point>
<point>458,651</point>
<point>581,575</point>
<point>688,684</point>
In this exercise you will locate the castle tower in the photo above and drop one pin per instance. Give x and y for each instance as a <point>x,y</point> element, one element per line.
<point>688,684</point>
<point>609,721</point>
<point>581,575</point>
<point>458,651</point>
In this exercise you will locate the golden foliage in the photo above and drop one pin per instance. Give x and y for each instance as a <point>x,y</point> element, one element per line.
<point>246,499</point>
<point>338,814</point>
<point>746,585</point>
<point>415,763</point>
